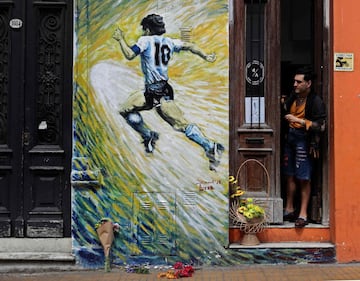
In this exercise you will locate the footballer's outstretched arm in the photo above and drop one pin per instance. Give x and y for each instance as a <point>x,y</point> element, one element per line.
<point>197,51</point>
<point>125,48</point>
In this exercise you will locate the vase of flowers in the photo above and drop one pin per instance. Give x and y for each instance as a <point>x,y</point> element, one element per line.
<point>246,213</point>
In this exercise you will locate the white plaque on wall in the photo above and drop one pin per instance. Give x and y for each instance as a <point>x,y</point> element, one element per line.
<point>344,61</point>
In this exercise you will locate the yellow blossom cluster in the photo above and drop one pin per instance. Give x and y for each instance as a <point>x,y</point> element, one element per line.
<point>247,207</point>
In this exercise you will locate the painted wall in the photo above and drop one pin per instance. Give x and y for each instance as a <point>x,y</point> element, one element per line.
<point>346,103</point>
<point>169,204</point>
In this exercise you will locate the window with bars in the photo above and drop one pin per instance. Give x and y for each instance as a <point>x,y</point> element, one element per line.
<point>255,70</point>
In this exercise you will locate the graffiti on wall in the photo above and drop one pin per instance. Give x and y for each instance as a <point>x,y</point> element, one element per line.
<point>151,129</point>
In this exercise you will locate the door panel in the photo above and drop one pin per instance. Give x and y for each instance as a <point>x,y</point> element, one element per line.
<point>11,124</point>
<point>254,110</point>
<point>270,39</point>
<point>36,143</point>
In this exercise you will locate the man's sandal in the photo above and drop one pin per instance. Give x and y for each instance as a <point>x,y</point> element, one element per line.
<point>291,217</point>
<point>300,223</point>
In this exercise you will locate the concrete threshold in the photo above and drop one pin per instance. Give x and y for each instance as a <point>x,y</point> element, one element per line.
<point>287,224</point>
<point>37,256</point>
<point>35,245</point>
<point>284,245</point>
<point>36,249</point>
<point>29,255</point>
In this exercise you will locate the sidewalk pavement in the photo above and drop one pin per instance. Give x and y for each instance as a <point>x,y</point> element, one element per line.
<point>273,272</point>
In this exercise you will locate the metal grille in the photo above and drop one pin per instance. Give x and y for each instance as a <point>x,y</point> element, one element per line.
<point>255,70</point>
<point>154,222</point>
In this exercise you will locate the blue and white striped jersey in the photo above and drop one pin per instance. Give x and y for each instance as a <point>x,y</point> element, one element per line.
<point>155,52</point>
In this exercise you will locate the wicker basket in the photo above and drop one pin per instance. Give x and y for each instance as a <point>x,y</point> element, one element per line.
<point>255,225</point>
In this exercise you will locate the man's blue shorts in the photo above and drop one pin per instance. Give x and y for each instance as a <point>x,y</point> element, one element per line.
<point>297,161</point>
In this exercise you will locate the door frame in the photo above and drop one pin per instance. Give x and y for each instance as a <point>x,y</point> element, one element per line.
<point>267,151</point>
<point>35,159</point>
<point>237,56</point>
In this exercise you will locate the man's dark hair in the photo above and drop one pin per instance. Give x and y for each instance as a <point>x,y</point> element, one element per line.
<point>308,73</point>
<point>154,23</point>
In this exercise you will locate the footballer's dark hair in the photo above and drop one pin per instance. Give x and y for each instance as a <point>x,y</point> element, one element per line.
<point>154,23</point>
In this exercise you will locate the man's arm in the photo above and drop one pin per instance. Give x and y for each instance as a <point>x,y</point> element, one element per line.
<point>197,51</point>
<point>125,48</point>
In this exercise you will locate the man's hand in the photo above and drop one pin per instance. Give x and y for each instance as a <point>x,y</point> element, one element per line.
<point>118,34</point>
<point>292,119</point>
<point>314,150</point>
<point>210,57</point>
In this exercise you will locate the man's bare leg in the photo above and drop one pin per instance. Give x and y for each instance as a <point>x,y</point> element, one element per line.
<point>305,186</point>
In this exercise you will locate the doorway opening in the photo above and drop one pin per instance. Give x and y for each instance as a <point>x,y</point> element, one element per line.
<point>301,45</point>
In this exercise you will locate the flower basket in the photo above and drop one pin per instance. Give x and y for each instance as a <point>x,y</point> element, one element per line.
<point>255,220</point>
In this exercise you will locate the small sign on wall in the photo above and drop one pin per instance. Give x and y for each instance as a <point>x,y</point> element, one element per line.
<point>344,61</point>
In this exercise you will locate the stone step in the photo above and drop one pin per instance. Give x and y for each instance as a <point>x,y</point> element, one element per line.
<point>37,256</point>
<point>284,253</point>
<point>285,245</point>
<point>47,245</point>
<point>28,254</point>
<point>37,266</point>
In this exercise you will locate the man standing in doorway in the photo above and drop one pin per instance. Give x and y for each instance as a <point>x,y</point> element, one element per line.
<point>155,51</point>
<point>305,115</point>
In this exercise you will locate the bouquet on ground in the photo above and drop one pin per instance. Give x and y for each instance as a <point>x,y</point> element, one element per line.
<point>180,271</point>
<point>140,269</point>
<point>105,229</point>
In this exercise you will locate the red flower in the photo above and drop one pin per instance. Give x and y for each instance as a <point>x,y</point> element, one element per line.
<point>183,270</point>
<point>178,265</point>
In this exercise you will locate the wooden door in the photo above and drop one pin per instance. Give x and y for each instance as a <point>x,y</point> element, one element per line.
<point>269,40</point>
<point>254,99</point>
<point>35,117</point>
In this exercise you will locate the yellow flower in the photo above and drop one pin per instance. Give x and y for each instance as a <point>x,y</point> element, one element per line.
<point>250,206</point>
<point>246,206</point>
<point>248,215</point>
<point>258,209</point>
<point>232,180</point>
<point>237,193</point>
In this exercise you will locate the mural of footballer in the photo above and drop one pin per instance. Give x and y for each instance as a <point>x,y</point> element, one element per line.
<point>155,51</point>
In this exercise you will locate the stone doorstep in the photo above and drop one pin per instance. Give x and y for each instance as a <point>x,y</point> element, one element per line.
<point>36,249</point>
<point>36,245</point>
<point>284,245</point>
<point>37,256</point>
<point>60,249</point>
